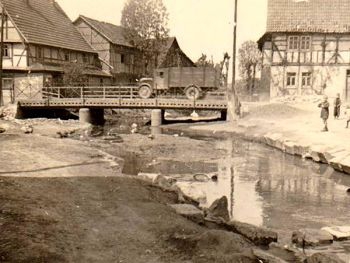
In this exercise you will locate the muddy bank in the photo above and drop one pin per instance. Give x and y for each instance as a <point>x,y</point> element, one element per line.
<point>64,200</point>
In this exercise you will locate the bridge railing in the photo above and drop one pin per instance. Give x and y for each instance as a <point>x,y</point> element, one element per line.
<point>114,92</point>
<point>103,92</point>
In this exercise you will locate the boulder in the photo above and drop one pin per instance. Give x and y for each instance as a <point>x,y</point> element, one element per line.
<point>190,212</point>
<point>266,257</point>
<point>192,191</point>
<point>323,258</point>
<point>218,210</point>
<point>338,232</point>
<point>2,130</point>
<point>258,235</point>
<point>311,237</point>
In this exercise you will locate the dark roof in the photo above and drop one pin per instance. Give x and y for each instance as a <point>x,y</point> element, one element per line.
<point>166,45</point>
<point>116,35</point>
<point>44,22</point>
<point>113,33</point>
<point>317,16</point>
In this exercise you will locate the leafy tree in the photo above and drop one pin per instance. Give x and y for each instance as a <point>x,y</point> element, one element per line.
<point>146,24</point>
<point>249,63</point>
<point>203,61</point>
<point>74,74</point>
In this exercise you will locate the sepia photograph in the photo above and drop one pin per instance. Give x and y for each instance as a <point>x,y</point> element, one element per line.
<point>174,131</point>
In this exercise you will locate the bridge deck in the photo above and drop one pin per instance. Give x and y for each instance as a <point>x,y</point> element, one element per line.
<point>157,103</point>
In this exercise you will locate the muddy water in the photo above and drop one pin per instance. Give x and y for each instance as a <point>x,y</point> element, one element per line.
<point>264,187</point>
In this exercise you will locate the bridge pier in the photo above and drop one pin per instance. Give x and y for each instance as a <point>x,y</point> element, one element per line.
<point>157,118</point>
<point>91,116</point>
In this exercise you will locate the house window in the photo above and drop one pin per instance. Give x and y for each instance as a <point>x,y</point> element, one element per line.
<point>122,58</point>
<point>39,53</point>
<point>6,51</point>
<point>66,56</point>
<point>85,58</point>
<point>305,42</point>
<point>306,79</point>
<point>291,79</point>
<point>293,43</point>
<point>47,53</point>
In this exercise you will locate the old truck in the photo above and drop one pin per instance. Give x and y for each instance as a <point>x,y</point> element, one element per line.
<point>190,81</point>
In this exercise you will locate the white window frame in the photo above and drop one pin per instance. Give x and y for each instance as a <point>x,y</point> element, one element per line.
<point>306,79</point>
<point>291,79</point>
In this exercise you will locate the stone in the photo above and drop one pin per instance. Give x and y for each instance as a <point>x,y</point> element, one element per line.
<point>258,235</point>
<point>323,258</point>
<point>218,210</point>
<point>337,161</point>
<point>149,177</point>
<point>345,164</point>
<point>311,237</point>
<point>192,191</point>
<point>289,147</point>
<point>332,153</point>
<point>164,181</point>
<point>266,257</point>
<point>62,134</point>
<point>27,129</point>
<point>157,179</point>
<point>190,212</point>
<point>338,232</point>
<point>2,130</point>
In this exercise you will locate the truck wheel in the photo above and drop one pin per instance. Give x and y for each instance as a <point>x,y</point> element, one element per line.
<point>192,92</point>
<point>145,92</point>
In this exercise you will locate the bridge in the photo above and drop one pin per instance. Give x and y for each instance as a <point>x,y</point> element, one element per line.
<point>118,97</point>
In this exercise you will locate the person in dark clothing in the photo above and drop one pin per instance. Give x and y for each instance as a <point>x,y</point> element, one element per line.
<point>337,104</point>
<point>324,105</point>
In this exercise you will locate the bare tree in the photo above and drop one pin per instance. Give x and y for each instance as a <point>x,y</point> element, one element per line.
<point>249,63</point>
<point>146,24</point>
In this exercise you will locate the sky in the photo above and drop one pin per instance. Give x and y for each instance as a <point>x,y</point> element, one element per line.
<point>200,26</point>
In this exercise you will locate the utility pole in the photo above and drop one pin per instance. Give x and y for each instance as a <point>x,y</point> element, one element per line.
<point>233,89</point>
<point>3,16</point>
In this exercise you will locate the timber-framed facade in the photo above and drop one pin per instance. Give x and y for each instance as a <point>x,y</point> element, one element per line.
<point>37,53</point>
<point>121,59</point>
<point>306,49</point>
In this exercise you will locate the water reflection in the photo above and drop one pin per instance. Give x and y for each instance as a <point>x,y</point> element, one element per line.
<point>267,188</point>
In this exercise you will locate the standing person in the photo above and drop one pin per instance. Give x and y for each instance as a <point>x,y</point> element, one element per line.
<point>324,105</point>
<point>347,112</point>
<point>337,104</point>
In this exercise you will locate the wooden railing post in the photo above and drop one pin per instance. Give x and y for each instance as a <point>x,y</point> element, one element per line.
<point>59,92</point>
<point>104,92</point>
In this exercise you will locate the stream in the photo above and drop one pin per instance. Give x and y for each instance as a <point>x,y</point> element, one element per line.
<point>264,186</point>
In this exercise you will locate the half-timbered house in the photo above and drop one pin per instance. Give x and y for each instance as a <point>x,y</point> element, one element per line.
<point>119,57</point>
<point>39,41</point>
<point>306,48</point>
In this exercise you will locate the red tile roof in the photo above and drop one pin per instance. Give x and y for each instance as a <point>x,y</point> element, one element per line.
<point>308,16</point>
<point>44,22</point>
